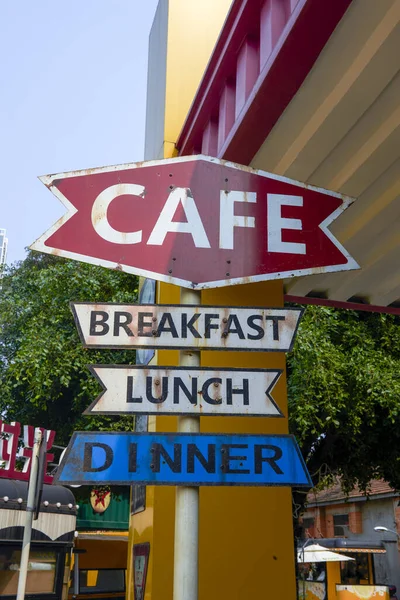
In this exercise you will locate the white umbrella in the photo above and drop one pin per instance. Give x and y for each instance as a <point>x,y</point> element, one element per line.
<point>316,553</point>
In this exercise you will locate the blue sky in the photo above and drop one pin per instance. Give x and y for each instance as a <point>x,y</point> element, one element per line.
<point>73,76</point>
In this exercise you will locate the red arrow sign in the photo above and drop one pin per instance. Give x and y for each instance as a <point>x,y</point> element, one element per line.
<point>196,221</point>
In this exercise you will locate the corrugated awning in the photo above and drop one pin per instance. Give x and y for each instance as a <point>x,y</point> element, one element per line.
<point>344,545</point>
<point>16,494</point>
<point>109,536</point>
<point>364,550</point>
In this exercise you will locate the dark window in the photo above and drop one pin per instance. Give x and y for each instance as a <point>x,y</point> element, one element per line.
<point>308,522</point>
<point>43,566</point>
<point>100,581</point>
<point>340,522</point>
<point>355,572</point>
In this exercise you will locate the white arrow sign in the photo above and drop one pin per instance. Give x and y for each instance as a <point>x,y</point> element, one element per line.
<point>184,390</point>
<point>196,327</point>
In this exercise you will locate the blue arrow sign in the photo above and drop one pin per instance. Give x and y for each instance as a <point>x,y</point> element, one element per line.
<point>183,459</point>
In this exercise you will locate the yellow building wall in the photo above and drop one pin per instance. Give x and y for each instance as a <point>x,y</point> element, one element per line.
<point>102,554</point>
<point>193,29</point>
<point>248,529</point>
<point>333,578</point>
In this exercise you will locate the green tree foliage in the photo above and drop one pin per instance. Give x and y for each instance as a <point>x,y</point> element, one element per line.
<point>344,395</point>
<point>44,378</point>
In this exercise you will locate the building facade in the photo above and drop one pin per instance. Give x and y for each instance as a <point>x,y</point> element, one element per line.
<point>330,514</point>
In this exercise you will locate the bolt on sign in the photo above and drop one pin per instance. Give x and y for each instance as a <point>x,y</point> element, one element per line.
<point>183,459</point>
<point>197,222</point>
<point>185,391</point>
<point>186,327</point>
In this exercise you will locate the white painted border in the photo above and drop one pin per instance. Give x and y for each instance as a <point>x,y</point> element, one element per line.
<point>48,180</point>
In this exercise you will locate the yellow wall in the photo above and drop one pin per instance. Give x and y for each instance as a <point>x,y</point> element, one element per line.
<point>193,28</point>
<point>102,554</point>
<point>333,578</point>
<point>249,529</point>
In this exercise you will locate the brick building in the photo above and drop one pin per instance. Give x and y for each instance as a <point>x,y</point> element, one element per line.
<point>331,514</point>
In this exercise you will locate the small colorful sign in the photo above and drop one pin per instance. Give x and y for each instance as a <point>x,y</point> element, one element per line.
<point>16,445</point>
<point>141,553</point>
<point>183,459</point>
<point>100,498</point>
